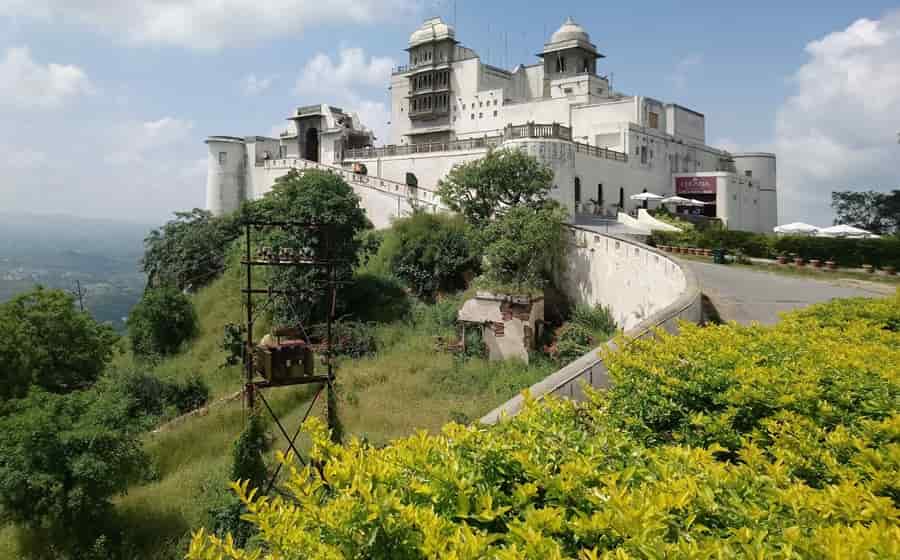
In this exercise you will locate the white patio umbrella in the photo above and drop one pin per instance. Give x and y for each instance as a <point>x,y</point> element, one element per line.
<point>645,196</point>
<point>844,230</point>
<point>695,202</point>
<point>796,228</point>
<point>675,199</point>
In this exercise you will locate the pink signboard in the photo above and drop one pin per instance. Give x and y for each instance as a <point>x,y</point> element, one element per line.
<point>695,185</point>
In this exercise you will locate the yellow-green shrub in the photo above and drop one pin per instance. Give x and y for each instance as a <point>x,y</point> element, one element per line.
<point>721,442</point>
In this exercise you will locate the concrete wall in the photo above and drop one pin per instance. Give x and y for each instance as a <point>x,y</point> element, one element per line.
<point>645,289</point>
<point>382,199</point>
<point>428,168</point>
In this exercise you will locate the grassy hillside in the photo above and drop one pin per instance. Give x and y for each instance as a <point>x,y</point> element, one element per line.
<point>406,386</point>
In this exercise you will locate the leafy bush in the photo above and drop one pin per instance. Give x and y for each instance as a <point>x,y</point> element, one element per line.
<point>721,442</point>
<point>429,252</point>
<point>150,396</point>
<point>189,251</point>
<point>597,319</point>
<point>248,465</point>
<point>375,298</point>
<point>503,178</point>
<point>62,458</point>
<point>572,342</point>
<point>524,245</point>
<point>46,342</point>
<point>846,252</point>
<point>353,339</point>
<point>161,322</point>
<point>437,317</point>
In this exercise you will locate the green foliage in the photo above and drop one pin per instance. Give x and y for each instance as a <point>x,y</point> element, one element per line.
<point>524,245</point>
<point>374,298</point>
<point>151,397</point>
<point>438,317</point>
<point>844,251</point>
<point>721,442</point>
<point>503,178</point>
<point>189,251</point>
<point>877,212</point>
<point>248,464</point>
<point>62,458</point>
<point>352,339</point>
<point>314,197</point>
<point>429,252</point>
<point>573,341</point>
<point>161,322</point>
<point>816,393</point>
<point>597,319</point>
<point>48,343</point>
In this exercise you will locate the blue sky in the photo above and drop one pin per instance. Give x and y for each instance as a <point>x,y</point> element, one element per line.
<point>105,105</point>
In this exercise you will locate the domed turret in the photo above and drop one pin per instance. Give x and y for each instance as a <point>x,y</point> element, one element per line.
<point>433,29</point>
<point>570,36</point>
<point>570,31</point>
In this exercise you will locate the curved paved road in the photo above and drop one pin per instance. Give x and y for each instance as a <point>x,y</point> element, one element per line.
<point>745,295</point>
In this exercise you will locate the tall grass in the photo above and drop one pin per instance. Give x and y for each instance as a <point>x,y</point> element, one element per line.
<point>407,385</point>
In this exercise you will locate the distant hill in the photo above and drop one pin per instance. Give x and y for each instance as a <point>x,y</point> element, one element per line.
<point>59,250</point>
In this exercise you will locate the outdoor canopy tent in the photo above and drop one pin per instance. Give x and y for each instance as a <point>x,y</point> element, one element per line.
<point>844,231</point>
<point>677,200</point>
<point>645,196</point>
<point>796,228</point>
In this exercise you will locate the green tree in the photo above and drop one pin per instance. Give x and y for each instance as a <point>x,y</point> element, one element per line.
<point>503,178</point>
<point>429,252</point>
<point>877,212</point>
<point>47,342</point>
<point>313,197</point>
<point>62,458</point>
<point>524,245</point>
<point>189,251</point>
<point>248,464</point>
<point>161,322</point>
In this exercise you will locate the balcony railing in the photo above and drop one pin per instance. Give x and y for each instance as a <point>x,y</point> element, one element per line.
<point>456,145</point>
<point>604,153</point>
<point>535,130</point>
<point>511,132</point>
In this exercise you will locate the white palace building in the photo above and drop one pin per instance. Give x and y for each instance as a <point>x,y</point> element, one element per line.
<point>448,107</point>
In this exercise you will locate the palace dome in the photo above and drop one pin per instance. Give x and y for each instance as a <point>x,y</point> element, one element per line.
<point>433,29</point>
<point>570,31</point>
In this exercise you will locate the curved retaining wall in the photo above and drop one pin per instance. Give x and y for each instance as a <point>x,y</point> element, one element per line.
<point>644,288</point>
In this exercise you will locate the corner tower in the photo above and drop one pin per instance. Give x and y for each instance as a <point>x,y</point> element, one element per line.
<point>570,64</point>
<point>226,174</point>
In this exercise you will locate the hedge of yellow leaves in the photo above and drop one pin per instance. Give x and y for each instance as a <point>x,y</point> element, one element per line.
<point>720,442</point>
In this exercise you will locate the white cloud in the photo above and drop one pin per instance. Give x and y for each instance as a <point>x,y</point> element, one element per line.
<point>26,84</point>
<point>838,130</point>
<point>349,81</point>
<point>683,68</point>
<point>206,24</point>
<point>21,158</point>
<point>322,75</point>
<point>253,85</point>
<point>135,141</point>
